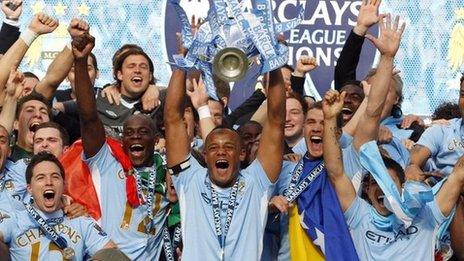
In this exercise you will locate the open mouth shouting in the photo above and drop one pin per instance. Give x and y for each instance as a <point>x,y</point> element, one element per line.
<point>137,80</point>
<point>380,200</point>
<point>33,126</point>
<point>49,198</point>
<point>315,146</point>
<point>222,166</point>
<point>137,150</point>
<point>347,113</point>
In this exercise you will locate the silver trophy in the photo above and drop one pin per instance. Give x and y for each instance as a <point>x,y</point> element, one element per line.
<point>230,39</point>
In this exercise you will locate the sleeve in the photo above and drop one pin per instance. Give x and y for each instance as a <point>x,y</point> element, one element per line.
<point>431,138</point>
<point>101,161</point>
<point>256,172</point>
<point>300,147</point>
<point>351,162</point>
<point>8,36</point>
<point>250,105</point>
<point>356,212</point>
<point>7,225</point>
<point>95,238</point>
<point>284,177</point>
<point>184,178</point>
<point>298,84</point>
<point>345,140</point>
<point>345,70</point>
<point>433,214</point>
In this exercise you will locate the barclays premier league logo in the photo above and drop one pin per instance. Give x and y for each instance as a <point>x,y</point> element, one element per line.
<point>326,26</point>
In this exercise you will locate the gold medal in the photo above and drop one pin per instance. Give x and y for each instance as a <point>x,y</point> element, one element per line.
<point>68,253</point>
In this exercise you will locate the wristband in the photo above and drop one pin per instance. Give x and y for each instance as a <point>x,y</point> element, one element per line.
<point>11,21</point>
<point>203,112</point>
<point>28,36</point>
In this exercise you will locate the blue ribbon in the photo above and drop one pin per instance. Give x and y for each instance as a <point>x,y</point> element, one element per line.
<point>253,33</point>
<point>46,228</point>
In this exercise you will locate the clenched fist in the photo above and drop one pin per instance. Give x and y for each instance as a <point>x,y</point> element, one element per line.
<point>78,27</point>
<point>43,24</point>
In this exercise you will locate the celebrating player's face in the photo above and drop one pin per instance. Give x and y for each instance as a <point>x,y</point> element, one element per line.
<point>223,152</point>
<point>134,75</point>
<point>376,195</point>
<point>139,140</point>
<point>354,97</point>
<point>32,114</point>
<point>313,128</point>
<point>46,186</point>
<point>48,139</point>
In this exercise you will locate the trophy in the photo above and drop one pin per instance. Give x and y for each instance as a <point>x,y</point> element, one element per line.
<point>230,39</point>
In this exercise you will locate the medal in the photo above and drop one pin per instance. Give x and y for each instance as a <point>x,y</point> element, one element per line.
<point>68,253</point>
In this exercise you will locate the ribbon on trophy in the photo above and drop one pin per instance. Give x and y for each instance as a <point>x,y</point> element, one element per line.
<point>230,37</point>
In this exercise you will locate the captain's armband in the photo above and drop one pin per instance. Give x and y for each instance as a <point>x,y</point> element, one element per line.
<point>175,170</point>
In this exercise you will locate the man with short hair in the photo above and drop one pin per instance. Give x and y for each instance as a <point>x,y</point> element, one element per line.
<point>133,73</point>
<point>31,111</point>
<point>296,108</point>
<point>51,137</point>
<point>64,238</point>
<point>210,231</point>
<point>130,180</point>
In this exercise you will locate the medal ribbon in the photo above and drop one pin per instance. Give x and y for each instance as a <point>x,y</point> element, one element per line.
<point>150,188</point>
<point>46,228</point>
<point>221,235</point>
<point>169,247</point>
<point>294,188</point>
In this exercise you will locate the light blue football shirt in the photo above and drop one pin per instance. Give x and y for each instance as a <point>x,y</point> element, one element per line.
<point>300,147</point>
<point>244,240</point>
<point>392,124</point>
<point>15,183</point>
<point>397,152</point>
<point>124,224</point>
<point>27,241</point>
<point>446,144</point>
<point>417,242</point>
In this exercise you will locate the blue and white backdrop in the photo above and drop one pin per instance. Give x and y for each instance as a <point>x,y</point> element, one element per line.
<point>431,57</point>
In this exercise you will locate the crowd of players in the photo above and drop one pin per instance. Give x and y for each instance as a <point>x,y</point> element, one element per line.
<point>141,172</point>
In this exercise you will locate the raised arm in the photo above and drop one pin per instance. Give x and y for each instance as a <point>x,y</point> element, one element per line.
<point>332,105</point>
<point>304,65</point>
<point>14,88</point>
<point>62,64</point>
<point>10,27</point>
<point>40,24</point>
<point>449,193</point>
<point>271,147</point>
<point>56,73</point>
<point>387,44</point>
<point>345,69</point>
<point>197,92</point>
<point>92,130</point>
<point>177,144</point>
